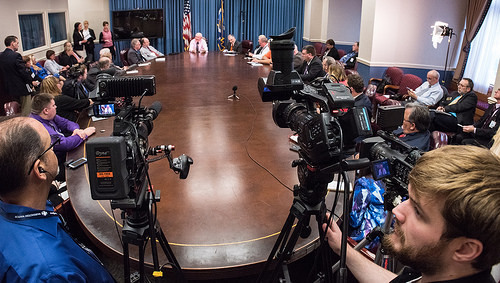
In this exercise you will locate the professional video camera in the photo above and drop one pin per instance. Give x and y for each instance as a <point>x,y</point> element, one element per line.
<point>392,161</point>
<point>118,164</point>
<point>326,122</point>
<point>313,111</point>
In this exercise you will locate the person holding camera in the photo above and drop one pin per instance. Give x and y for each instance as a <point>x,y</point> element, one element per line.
<point>447,230</point>
<point>43,109</point>
<point>36,246</point>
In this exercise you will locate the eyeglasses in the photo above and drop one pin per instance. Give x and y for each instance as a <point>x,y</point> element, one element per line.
<point>462,85</point>
<point>58,139</point>
<point>404,120</point>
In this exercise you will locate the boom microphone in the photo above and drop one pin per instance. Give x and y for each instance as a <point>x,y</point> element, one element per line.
<point>154,110</point>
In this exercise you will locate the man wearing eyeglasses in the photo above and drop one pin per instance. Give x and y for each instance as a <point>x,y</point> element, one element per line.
<point>43,109</point>
<point>35,246</point>
<point>458,109</point>
<point>415,128</point>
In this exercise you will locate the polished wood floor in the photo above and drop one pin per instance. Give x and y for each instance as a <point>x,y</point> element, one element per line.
<point>223,220</point>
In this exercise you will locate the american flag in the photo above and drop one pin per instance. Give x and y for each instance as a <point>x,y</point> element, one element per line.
<point>186,24</point>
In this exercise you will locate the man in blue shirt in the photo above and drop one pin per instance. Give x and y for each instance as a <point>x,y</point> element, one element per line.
<point>415,128</point>
<point>35,246</point>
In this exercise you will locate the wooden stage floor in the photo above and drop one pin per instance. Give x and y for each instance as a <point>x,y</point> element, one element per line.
<point>223,220</point>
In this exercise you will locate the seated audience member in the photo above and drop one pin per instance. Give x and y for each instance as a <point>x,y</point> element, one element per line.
<point>262,49</point>
<point>483,130</point>
<point>311,67</point>
<point>67,107</point>
<point>336,73</point>
<point>232,44</point>
<point>460,110</point>
<point>106,38</point>
<point>35,84</point>
<point>297,58</point>
<point>148,51</point>
<point>327,62</point>
<point>75,86</point>
<point>103,67</point>
<point>37,68</point>
<point>35,246</point>
<point>447,230</point>
<point>68,57</point>
<point>415,128</point>
<point>357,86</point>
<point>430,92</point>
<point>266,59</point>
<point>134,54</point>
<point>349,60</point>
<point>105,52</point>
<point>52,66</point>
<point>43,109</point>
<point>331,51</point>
<point>198,44</point>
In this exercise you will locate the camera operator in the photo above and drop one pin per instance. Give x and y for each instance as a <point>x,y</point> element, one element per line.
<point>448,229</point>
<point>35,246</point>
<point>415,128</point>
<point>76,86</point>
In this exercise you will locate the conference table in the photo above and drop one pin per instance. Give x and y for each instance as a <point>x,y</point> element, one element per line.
<point>224,218</point>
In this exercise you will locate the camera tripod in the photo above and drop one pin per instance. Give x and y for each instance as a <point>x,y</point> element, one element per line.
<point>140,226</point>
<point>309,200</point>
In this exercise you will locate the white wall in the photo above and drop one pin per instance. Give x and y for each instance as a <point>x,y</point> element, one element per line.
<point>9,19</point>
<point>94,11</point>
<point>401,32</point>
<point>344,21</point>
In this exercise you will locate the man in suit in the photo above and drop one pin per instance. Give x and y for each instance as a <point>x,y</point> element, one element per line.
<point>415,128</point>
<point>460,110</point>
<point>134,54</point>
<point>483,130</point>
<point>16,79</point>
<point>312,66</point>
<point>232,44</point>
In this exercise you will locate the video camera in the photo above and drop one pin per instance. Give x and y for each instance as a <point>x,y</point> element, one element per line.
<point>392,160</point>
<point>118,164</point>
<point>313,111</point>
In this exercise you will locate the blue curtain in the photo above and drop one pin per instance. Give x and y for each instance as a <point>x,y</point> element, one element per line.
<point>57,26</point>
<point>246,19</point>
<point>32,35</point>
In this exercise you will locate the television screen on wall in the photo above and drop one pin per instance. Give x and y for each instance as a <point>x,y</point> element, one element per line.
<point>138,23</point>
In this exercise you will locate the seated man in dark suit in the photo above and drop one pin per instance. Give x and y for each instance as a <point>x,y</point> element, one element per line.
<point>103,66</point>
<point>134,54</point>
<point>483,130</point>
<point>460,110</point>
<point>312,66</point>
<point>415,128</point>
<point>355,83</point>
<point>232,44</point>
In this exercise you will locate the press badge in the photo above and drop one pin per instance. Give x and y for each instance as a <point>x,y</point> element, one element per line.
<point>492,124</point>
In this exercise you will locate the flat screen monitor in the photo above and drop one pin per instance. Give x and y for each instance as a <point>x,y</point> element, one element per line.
<point>138,23</point>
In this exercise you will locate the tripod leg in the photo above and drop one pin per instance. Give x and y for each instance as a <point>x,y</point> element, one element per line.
<point>141,263</point>
<point>168,252</point>
<point>323,246</point>
<point>126,263</point>
<point>280,243</point>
